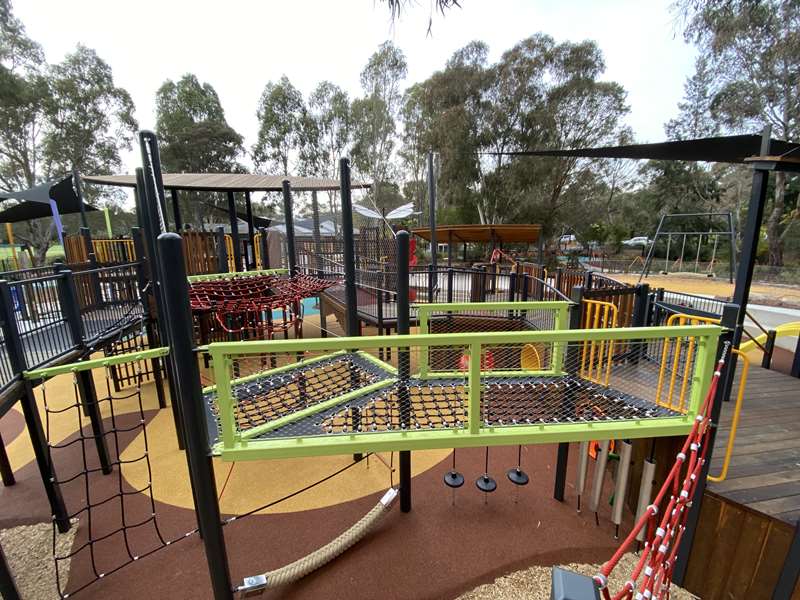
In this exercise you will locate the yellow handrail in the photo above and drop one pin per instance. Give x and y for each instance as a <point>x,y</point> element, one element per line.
<point>785,330</point>
<point>735,421</point>
<point>108,251</point>
<point>598,315</point>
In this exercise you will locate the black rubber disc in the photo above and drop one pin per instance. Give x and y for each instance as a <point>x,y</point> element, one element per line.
<point>517,476</point>
<point>453,479</point>
<point>486,483</point>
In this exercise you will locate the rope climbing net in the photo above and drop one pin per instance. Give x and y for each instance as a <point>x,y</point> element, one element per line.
<point>664,520</point>
<point>118,522</point>
<point>255,307</point>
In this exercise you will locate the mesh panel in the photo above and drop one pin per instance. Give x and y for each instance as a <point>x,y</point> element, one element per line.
<point>536,383</point>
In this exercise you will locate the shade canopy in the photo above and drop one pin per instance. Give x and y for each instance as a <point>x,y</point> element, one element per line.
<point>228,182</point>
<point>519,233</point>
<point>725,149</point>
<point>257,221</point>
<point>34,203</point>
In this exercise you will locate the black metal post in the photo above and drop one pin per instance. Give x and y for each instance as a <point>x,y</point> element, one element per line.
<point>251,232</point>
<point>404,365</point>
<point>795,372</point>
<point>6,471</point>
<point>288,211</point>
<point>790,573</point>
<point>68,300</point>
<point>76,182</point>
<point>264,248</point>
<point>570,365</point>
<point>190,396</point>
<point>222,250</point>
<point>176,210</point>
<point>8,587</point>
<point>432,274</point>
<point>234,224</point>
<point>769,348</point>
<point>88,396</point>
<point>142,277</point>
<point>728,321</point>
<point>151,226</point>
<point>432,210</point>
<point>351,299</point>
<point>450,279</point>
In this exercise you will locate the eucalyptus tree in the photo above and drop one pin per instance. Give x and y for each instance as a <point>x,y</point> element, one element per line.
<point>753,50</point>
<point>376,114</point>
<point>54,118</point>
<point>195,138</point>
<point>281,114</point>
<point>326,131</point>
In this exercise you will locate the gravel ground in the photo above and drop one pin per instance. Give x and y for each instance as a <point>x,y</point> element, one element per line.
<point>534,583</point>
<point>29,552</point>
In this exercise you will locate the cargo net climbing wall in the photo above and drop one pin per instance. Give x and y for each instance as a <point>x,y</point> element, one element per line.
<point>293,394</point>
<point>102,471</point>
<point>663,522</point>
<point>258,307</point>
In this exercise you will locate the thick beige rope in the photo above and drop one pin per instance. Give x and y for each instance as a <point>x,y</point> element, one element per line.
<point>302,567</point>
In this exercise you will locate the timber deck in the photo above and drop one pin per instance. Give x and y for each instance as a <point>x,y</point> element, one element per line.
<point>764,473</point>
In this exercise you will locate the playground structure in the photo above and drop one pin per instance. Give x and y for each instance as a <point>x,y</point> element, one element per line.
<point>464,380</point>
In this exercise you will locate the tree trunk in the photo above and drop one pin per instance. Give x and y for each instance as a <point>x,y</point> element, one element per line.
<point>774,222</point>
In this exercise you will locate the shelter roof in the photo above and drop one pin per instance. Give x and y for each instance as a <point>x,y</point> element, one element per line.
<point>228,182</point>
<point>506,233</point>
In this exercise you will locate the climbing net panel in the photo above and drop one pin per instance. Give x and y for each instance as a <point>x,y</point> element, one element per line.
<point>92,467</point>
<point>331,396</point>
<point>663,522</point>
<point>261,305</point>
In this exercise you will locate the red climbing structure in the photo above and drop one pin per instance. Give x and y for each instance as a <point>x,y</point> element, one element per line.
<point>251,307</point>
<point>665,518</point>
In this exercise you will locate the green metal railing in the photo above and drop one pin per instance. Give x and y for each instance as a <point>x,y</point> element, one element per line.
<point>241,445</point>
<point>107,361</point>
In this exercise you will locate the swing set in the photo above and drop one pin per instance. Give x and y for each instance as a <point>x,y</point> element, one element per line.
<point>685,226</point>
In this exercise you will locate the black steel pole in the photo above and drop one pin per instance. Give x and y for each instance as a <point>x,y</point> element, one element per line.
<point>76,182</point>
<point>288,212</point>
<point>432,209</point>
<point>234,223</point>
<point>187,372</point>
<point>404,365</point>
<point>176,210</point>
<point>151,229</point>
<point>251,232</point>
<point>351,299</point>
<point>790,573</point>
<point>316,234</point>
<point>222,250</point>
<point>8,587</point>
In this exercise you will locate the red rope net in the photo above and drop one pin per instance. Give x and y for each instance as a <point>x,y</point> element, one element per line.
<point>665,518</point>
<point>246,304</point>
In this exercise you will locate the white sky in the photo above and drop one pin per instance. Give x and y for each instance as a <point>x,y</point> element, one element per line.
<point>238,45</point>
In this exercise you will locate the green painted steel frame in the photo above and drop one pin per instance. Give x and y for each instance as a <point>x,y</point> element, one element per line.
<point>107,361</point>
<point>236,446</point>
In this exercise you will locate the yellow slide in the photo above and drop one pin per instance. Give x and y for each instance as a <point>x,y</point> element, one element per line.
<point>785,330</point>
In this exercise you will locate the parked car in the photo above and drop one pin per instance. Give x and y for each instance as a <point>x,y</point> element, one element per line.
<point>642,240</point>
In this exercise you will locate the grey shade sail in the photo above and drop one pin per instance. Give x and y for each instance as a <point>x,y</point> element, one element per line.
<point>34,203</point>
<point>725,149</point>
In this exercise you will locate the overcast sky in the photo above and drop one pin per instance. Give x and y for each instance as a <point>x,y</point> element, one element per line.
<point>238,46</point>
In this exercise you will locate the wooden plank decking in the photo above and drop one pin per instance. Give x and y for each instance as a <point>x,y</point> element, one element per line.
<point>764,474</point>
